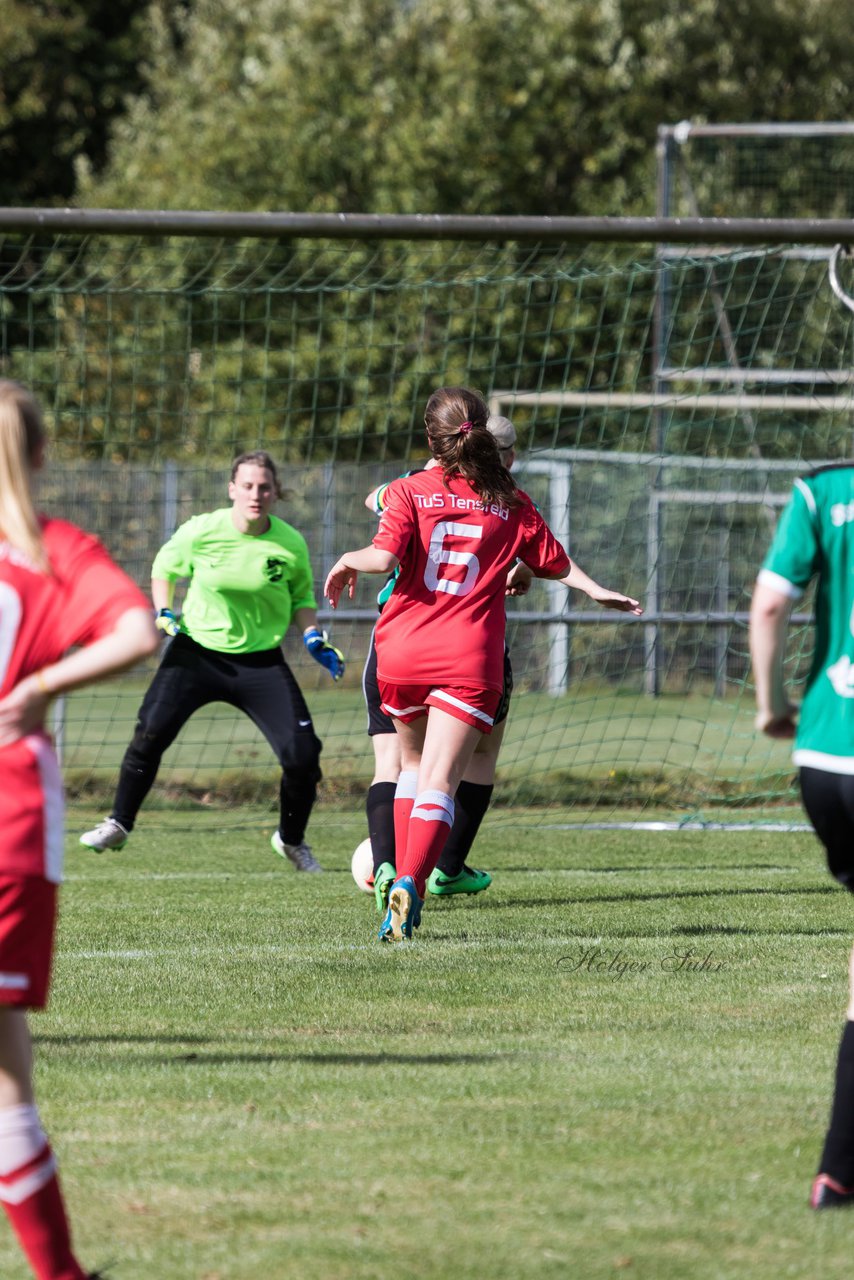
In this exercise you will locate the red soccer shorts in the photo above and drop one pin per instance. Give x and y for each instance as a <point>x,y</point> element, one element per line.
<point>408,702</point>
<point>27,925</point>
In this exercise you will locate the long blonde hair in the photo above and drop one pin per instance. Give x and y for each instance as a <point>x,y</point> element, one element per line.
<point>21,438</point>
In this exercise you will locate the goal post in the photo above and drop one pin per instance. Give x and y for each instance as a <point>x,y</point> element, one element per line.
<point>661,458</point>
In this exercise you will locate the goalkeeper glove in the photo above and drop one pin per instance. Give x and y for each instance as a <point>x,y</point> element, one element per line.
<point>166,621</point>
<point>323,652</point>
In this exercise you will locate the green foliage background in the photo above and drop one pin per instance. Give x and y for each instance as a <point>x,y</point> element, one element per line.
<point>328,350</point>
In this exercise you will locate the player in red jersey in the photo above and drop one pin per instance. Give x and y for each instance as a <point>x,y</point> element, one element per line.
<point>58,589</point>
<point>455,530</point>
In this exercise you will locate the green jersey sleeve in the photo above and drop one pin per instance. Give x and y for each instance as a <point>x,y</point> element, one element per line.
<point>793,558</point>
<point>175,558</point>
<point>302,578</point>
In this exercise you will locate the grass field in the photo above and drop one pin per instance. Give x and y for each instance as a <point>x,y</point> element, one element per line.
<point>616,1062</point>
<point>595,746</point>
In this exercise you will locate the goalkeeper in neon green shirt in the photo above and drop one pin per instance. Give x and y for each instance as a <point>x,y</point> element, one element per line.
<point>249,577</point>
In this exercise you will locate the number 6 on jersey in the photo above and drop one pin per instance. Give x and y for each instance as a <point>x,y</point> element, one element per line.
<point>438,554</point>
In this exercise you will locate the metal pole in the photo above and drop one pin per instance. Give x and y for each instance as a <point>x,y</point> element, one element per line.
<point>169,520</point>
<point>560,476</point>
<point>376,226</point>
<point>651,636</point>
<point>721,603</point>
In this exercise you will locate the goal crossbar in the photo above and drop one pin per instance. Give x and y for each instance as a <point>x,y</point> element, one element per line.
<point>367,226</point>
<point>664,399</point>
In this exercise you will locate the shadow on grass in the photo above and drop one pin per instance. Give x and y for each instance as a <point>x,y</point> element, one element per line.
<point>659,868</point>
<point>219,1057</point>
<point>348,1059</point>
<point>622,899</point>
<point>120,1038</point>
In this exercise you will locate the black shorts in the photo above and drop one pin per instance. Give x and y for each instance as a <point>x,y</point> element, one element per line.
<point>379,722</point>
<point>829,801</point>
<point>260,684</point>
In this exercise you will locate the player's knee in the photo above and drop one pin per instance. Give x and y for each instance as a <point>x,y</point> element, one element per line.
<point>143,748</point>
<point>300,761</point>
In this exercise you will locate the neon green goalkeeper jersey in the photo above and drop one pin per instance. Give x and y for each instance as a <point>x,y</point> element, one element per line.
<point>243,589</point>
<point>815,537</point>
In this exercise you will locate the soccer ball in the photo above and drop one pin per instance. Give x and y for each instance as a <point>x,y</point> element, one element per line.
<point>362,866</point>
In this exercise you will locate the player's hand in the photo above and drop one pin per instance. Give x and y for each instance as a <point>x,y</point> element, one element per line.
<point>323,652</point>
<point>167,621</point>
<point>781,725</point>
<point>22,711</point>
<point>613,600</point>
<point>519,580</point>
<point>339,579</point>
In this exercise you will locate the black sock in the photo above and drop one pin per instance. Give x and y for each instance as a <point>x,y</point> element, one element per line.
<point>470,805</point>
<point>379,807</point>
<point>837,1159</point>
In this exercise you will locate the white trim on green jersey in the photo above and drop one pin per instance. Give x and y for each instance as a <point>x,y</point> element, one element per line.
<point>821,760</point>
<point>804,488</point>
<point>815,539</point>
<point>786,588</point>
<point>244,589</point>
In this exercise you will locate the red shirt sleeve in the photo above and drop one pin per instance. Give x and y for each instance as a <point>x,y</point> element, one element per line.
<point>95,591</point>
<point>397,522</point>
<point>540,549</point>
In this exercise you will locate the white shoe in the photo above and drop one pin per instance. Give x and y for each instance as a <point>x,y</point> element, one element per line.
<point>299,854</point>
<point>108,834</point>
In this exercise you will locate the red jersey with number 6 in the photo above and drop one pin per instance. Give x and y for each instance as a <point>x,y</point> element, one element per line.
<point>42,615</point>
<point>445,618</point>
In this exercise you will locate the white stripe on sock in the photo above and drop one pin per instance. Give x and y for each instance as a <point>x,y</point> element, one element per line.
<point>441,807</point>
<point>21,1189</point>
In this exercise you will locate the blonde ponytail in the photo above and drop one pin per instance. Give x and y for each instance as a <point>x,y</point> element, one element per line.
<point>21,438</point>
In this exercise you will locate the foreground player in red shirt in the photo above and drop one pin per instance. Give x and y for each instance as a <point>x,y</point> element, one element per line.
<point>58,589</point>
<point>455,530</point>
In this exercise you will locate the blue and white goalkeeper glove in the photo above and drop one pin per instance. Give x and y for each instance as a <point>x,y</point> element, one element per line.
<point>323,652</point>
<point>168,622</point>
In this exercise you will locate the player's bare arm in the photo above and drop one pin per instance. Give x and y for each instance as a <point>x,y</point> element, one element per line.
<point>578,580</point>
<point>519,580</point>
<point>342,576</point>
<point>769,620</point>
<point>23,710</point>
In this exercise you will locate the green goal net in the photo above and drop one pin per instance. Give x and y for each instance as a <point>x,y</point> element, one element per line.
<point>664,397</point>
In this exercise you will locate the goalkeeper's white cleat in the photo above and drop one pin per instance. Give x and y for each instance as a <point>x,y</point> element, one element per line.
<point>299,854</point>
<point>108,834</point>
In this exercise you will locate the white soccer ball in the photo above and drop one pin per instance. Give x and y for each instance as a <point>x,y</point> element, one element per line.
<point>362,866</point>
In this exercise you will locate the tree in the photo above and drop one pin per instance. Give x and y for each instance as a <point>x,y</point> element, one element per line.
<point>456,106</point>
<point>65,70</point>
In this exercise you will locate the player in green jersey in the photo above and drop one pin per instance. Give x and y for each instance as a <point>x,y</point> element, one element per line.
<point>249,577</point>
<point>815,540</point>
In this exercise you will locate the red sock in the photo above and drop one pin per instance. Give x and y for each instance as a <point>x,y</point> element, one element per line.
<point>429,828</point>
<point>34,1206</point>
<point>404,798</point>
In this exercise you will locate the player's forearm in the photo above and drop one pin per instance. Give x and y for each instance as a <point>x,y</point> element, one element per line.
<point>769,618</point>
<point>578,580</point>
<point>369,560</point>
<point>305,618</point>
<point>162,593</point>
<point>132,639</point>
